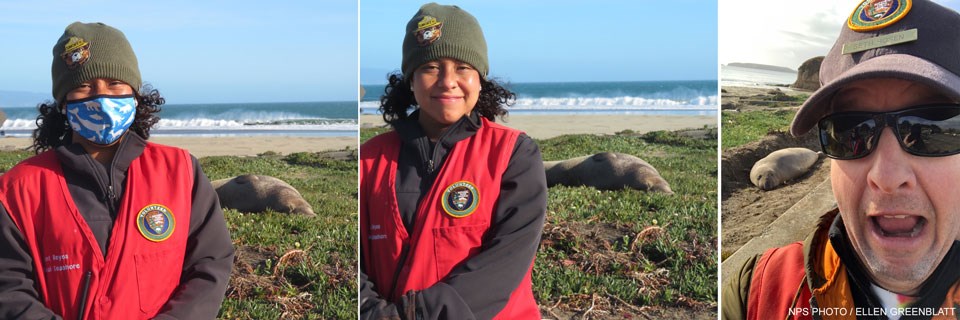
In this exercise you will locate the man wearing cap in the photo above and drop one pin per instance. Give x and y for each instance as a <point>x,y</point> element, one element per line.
<point>887,113</point>
<point>101,223</point>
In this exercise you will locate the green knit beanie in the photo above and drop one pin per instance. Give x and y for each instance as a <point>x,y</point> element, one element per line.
<point>87,51</point>
<point>439,31</point>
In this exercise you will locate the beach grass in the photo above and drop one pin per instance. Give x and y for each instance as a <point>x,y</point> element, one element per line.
<point>291,266</point>
<point>10,158</point>
<point>642,248</point>
<point>367,133</point>
<point>740,128</point>
<point>628,246</point>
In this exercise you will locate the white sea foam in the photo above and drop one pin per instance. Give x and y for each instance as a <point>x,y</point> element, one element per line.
<point>251,124</point>
<point>590,104</point>
<point>626,102</point>
<point>228,120</point>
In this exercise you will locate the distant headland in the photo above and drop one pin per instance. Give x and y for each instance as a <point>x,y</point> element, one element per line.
<point>761,66</point>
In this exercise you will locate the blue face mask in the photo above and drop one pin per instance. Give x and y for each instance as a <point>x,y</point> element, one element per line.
<point>101,119</point>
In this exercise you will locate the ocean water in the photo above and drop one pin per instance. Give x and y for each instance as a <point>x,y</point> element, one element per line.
<point>759,78</point>
<point>230,119</point>
<point>637,97</point>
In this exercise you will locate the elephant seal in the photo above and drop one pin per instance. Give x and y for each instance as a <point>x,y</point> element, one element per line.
<point>257,193</point>
<point>606,171</point>
<point>782,165</point>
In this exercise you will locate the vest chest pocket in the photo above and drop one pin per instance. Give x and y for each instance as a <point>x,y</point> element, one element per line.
<point>155,278</point>
<point>454,245</point>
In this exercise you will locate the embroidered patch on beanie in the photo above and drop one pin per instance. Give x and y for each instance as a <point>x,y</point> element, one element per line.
<point>76,52</point>
<point>428,31</point>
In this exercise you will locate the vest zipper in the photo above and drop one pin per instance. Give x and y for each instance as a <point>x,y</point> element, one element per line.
<point>84,293</point>
<point>436,153</point>
<point>111,198</point>
<point>111,194</point>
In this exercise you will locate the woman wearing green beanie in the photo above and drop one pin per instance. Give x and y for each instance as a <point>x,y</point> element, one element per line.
<point>101,223</point>
<point>452,204</point>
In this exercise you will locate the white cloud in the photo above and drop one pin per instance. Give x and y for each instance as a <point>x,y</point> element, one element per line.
<point>783,33</point>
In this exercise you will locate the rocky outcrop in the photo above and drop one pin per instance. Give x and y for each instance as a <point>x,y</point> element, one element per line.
<point>808,75</point>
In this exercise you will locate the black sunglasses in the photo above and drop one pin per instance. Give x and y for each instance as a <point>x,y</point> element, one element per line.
<point>927,131</point>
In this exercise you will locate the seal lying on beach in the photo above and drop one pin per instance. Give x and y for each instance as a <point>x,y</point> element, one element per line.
<point>606,171</point>
<point>257,193</point>
<point>782,165</point>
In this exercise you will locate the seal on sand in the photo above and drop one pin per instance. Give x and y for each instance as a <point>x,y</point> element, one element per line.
<point>606,171</point>
<point>782,165</point>
<point>257,193</point>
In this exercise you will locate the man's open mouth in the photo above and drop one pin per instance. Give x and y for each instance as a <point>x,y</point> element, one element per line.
<point>900,225</point>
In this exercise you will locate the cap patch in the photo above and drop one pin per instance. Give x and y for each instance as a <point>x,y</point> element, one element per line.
<point>877,14</point>
<point>460,199</point>
<point>428,31</point>
<point>76,52</point>
<point>155,222</point>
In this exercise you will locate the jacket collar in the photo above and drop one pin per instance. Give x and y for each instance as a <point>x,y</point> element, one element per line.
<point>410,130</point>
<point>831,232</point>
<point>74,157</point>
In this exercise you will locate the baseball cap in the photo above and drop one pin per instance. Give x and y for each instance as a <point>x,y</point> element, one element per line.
<point>913,40</point>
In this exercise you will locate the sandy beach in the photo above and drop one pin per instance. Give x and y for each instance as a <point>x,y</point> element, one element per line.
<point>537,126</point>
<point>548,126</point>
<point>231,146</point>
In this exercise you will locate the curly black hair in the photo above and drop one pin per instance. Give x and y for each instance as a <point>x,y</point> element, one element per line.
<point>53,130</point>
<point>397,99</point>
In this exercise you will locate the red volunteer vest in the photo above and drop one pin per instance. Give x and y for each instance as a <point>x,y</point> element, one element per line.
<point>147,243</point>
<point>778,285</point>
<point>451,220</point>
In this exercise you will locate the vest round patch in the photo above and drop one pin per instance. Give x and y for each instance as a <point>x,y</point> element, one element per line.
<point>877,14</point>
<point>155,222</point>
<point>428,31</point>
<point>460,199</point>
<point>76,52</point>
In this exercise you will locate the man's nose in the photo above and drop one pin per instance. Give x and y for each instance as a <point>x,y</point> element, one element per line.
<point>890,169</point>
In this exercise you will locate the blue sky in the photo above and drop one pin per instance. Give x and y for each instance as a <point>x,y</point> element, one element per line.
<point>548,41</point>
<point>762,31</point>
<point>200,51</point>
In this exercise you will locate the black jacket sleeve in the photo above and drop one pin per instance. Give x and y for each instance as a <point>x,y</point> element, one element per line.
<point>372,306</point>
<point>480,287</point>
<point>208,260</point>
<point>19,298</point>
